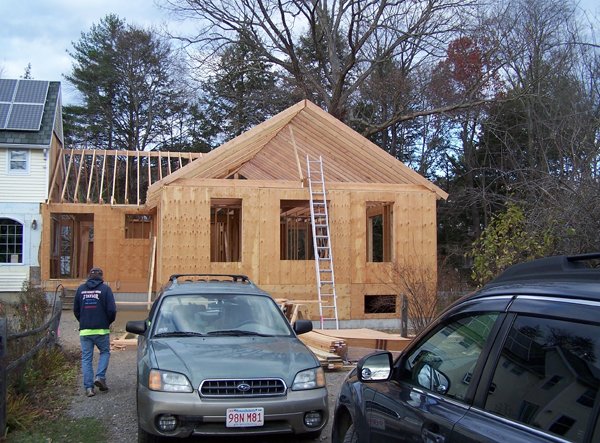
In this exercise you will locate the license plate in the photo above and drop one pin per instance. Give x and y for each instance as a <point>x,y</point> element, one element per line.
<point>245,417</point>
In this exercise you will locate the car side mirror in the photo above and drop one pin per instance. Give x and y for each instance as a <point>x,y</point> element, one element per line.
<point>136,326</point>
<point>375,367</point>
<point>432,379</point>
<point>302,326</point>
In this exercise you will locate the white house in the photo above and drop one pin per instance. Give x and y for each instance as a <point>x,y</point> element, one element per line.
<point>30,134</point>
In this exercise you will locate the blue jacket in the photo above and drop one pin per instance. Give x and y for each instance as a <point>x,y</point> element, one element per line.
<point>94,305</point>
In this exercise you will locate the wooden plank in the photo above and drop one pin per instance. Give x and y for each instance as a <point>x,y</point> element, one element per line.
<point>76,193</point>
<point>332,345</point>
<point>127,180</point>
<point>89,188</point>
<point>327,360</point>
<point>64,189</point>
<point>100,199</point>
<point>367,338</point>
<point>114,183</point>
<point>137,170</point>
<point>151,270</point>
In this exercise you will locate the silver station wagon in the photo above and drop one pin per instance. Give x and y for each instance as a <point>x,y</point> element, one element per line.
<point>216,356</point>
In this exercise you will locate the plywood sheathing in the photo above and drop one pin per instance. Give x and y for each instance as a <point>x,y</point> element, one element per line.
<point>184,237</point>
<point>269,152</point>
<point>125,261</point>
<point>225,160</point>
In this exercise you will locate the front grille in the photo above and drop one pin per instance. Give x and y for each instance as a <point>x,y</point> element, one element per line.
<point>262,387</point>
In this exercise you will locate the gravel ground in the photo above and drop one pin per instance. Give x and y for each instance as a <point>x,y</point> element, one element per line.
<point>116,407</point>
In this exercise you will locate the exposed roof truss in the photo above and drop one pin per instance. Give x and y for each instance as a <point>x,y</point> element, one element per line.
<point>111,177</point>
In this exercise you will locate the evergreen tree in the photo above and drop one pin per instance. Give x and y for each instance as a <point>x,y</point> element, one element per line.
<point>242,91</point>
<point>125,76</point>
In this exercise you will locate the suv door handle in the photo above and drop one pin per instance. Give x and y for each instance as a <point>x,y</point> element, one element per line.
<point>431,437</point>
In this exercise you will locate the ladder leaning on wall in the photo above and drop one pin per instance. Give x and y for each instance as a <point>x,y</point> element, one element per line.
<point>322,243</point>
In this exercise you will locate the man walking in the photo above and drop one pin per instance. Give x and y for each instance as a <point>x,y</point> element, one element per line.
<point>95,309</point>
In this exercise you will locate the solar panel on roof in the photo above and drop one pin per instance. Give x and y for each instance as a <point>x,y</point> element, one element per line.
<point>7,89</point>
<point>4,108</point>
<point>31,91</point>
<point>22,104</point>
<point>25,116</point>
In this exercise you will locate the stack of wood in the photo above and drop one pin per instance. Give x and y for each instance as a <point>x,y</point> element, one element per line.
<point>367,338</point>
<point>330,351</point>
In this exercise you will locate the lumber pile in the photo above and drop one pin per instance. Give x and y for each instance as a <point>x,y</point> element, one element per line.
<point>124,341</point>
<point>367,338</point>
<point>330,351</point>
<point>329,361</point>
<point>331,345</point>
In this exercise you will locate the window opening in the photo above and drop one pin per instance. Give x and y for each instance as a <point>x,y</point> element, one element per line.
<point>138,225</point>
<point>11,241</point>
<point>225,230</point>
<point>72,245</point>
<point>295,230</point>
<point>380,304</point>
<point>379,231</point>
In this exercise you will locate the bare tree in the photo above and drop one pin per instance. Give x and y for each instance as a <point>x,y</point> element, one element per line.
<point>347,41</point>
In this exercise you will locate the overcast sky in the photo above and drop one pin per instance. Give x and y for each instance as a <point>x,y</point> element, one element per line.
<point>41,31</point>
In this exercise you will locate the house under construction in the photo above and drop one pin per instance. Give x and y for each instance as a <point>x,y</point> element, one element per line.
<point>253,206</point>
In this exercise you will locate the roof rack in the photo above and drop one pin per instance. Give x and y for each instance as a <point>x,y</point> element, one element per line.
<point>175,278</point>
<point>559,267</point>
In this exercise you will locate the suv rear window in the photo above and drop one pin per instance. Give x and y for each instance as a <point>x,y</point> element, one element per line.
<point>548,375</point>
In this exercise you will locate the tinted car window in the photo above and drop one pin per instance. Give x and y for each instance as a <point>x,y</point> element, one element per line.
<point>445,361</point>
<point>547,376</point>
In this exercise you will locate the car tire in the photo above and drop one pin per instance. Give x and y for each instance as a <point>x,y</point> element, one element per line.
<point>351,436</point>
<point>145,437</point>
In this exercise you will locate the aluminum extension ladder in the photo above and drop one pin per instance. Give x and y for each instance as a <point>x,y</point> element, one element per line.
<point>322,243</point>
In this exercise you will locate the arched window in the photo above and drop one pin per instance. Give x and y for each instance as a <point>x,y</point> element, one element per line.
<point>11,241</point>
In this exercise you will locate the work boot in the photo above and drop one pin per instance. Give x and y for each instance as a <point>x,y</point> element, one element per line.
<point>101,383</point>
<point>90,392</point>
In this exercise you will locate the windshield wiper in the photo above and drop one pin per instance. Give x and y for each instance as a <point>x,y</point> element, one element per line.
<point>179,334</point>
<point>236,332</point>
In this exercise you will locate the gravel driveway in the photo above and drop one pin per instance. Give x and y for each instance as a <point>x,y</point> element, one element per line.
<point>116,407</point>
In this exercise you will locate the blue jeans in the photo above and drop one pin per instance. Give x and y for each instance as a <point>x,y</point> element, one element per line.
<point>102,342</point>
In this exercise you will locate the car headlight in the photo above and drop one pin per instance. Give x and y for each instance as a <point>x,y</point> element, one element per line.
<point>309,379</point>
<point>168,381</point>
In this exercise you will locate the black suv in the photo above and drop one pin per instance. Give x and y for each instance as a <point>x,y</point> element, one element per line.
<point>517,361</point>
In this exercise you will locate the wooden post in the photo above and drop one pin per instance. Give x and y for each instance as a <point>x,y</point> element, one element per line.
<point>151,273</point>
<point>137,170</point>
<point>112,196</point>
<point>127,180</point>
<point>62,195</point>
<point>76,193</point>
<point>92,165</point>
<point>100,199</point>
<point>404,317</point>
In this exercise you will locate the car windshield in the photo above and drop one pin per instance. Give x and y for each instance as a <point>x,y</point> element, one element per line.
<point>219,315</point>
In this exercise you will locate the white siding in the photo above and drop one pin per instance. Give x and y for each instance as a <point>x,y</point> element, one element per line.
<point>30,187</point>
<point>13,277</point>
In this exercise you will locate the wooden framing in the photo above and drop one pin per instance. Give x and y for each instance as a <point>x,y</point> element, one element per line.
<point>88,174</point>
<point>224,212</point>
